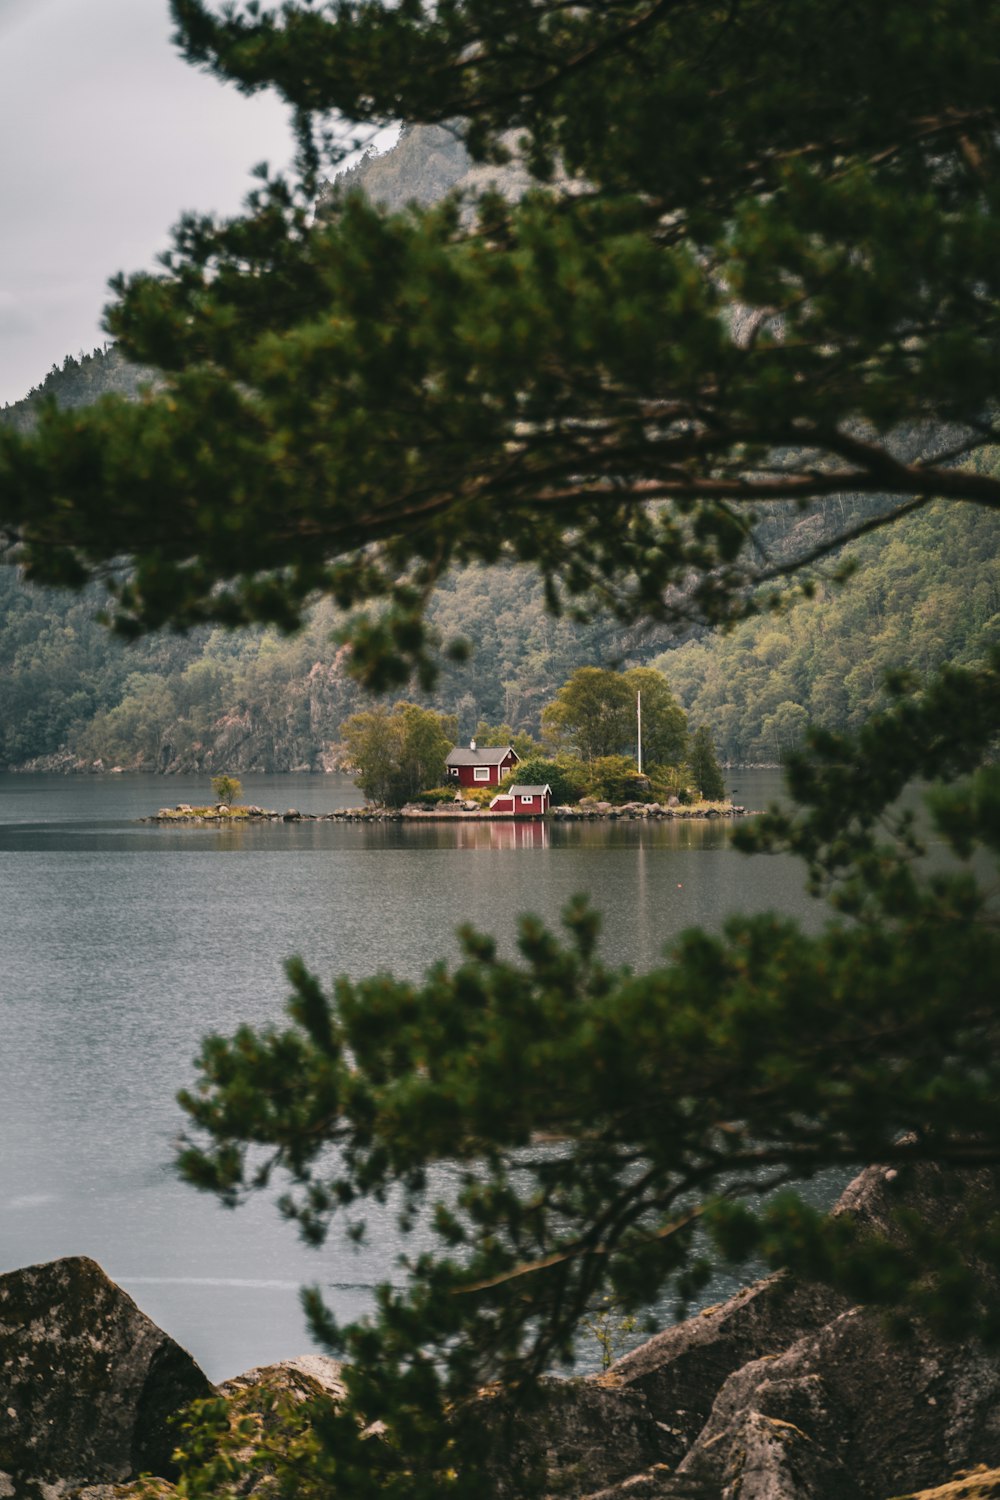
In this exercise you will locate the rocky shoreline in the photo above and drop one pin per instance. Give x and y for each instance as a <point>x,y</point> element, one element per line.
<point>786,1391</point>
<point>443,813</point>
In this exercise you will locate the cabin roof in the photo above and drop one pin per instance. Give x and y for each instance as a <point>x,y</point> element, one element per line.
<point>526,791</point>
<point>489,755</point>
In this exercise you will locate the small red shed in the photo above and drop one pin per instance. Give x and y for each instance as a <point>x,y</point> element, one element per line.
<point>485,767</point>
<point>523,801</point>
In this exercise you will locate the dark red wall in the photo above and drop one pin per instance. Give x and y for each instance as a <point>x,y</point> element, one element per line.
<point>497,774</point>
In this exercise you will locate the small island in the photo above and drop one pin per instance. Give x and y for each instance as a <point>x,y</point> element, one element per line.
<point>506,779</point>
<point>456,810</point>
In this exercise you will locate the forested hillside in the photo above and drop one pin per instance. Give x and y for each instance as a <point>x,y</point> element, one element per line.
<point>78,382</point>
<point>72,695</point>
<point>925,594</point>
<point>256,700</point>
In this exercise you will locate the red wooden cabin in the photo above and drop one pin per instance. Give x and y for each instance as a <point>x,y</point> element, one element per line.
<point>485,767</point>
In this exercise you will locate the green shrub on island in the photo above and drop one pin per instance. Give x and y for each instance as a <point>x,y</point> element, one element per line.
<point>667,781</point>
<point>566,776</point>
<point>227,789</point>
<point>436,794</point>
<point>481,795</point>
<point>617,778</point>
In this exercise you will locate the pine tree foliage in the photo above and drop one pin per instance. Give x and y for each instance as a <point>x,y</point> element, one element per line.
<point>705,770</point>
<point>767,271</point>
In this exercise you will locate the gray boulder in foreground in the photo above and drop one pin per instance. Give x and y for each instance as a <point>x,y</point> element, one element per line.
<point>87,1382</point>
<point>844,1411</point>
<point>787,1392</point>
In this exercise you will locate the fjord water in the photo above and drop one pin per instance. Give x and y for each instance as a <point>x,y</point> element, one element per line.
<point>122,943</point>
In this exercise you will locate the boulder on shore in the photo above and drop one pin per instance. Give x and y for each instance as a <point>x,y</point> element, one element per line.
<point>88,1383</point>
<point>784,1392</point>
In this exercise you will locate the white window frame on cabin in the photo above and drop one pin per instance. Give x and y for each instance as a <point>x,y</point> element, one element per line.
<point>526,799</point>
<point>480,773</point>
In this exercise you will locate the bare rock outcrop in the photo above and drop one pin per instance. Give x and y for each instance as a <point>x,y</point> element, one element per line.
<point>681,1370</point>
<point>846,1412</point>
<point>786,1391</point>
<point>582,1434</point>
<point>88,1383</point>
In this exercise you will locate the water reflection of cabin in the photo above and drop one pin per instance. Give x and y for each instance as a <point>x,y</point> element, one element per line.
<point>485,767</point>
<point>494,833</point>
<point>523,801</point>
<point>518,833</point>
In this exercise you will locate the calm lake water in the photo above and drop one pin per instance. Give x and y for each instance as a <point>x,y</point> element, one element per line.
<point>122,943</point>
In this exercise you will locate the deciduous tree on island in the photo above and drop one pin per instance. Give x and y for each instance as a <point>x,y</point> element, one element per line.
<point>759,267</point>
<point>226,789</point>
<point>596,713</point>
<point>398,752</point>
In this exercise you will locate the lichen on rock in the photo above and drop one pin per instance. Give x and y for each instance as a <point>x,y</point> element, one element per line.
<point>88,1383</point>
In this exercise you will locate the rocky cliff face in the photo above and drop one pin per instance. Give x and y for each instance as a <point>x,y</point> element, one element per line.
<point>297,729</point>
<point>426,163</point>
<point>293,727</point>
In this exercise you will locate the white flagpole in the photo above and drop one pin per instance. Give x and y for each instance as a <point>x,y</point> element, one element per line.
<point>638,720</point>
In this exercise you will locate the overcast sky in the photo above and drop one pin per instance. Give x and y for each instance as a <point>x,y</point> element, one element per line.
<point>107,137</point>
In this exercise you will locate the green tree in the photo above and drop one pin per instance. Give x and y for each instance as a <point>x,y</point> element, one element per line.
<point>593,713</point>
<point>664,723</point>
<point>782,731</point>
<point>398,752</point>
<point>596,712</point>
<point>226,789</point>
<point>502,734</point>
<point>372,748</point>
<point>705,771</point>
